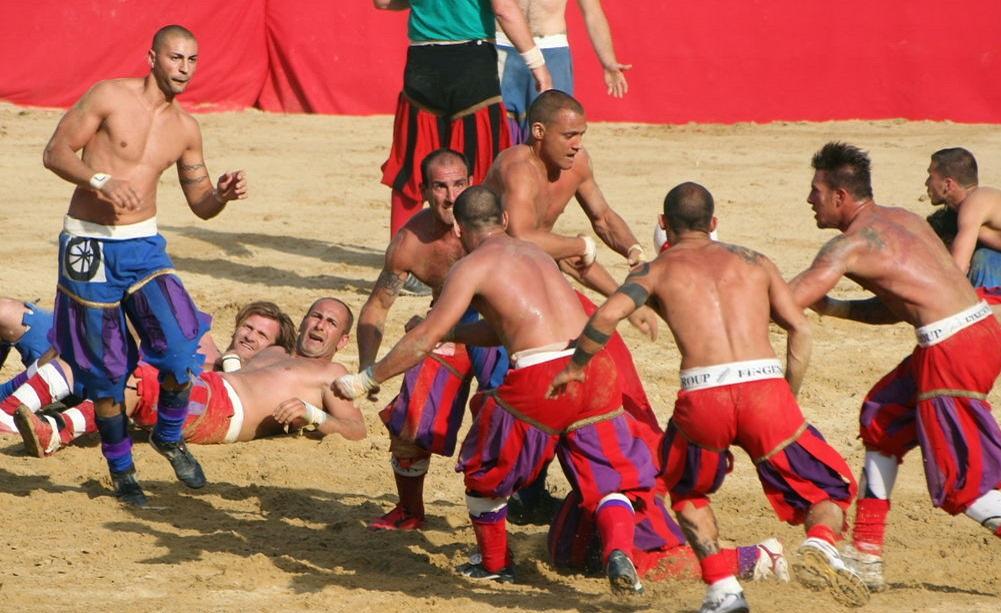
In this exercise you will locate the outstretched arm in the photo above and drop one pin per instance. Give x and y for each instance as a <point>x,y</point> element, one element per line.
<point>607,224</point>
<point>789,316</point>
<point>520,193</point>
<point>372,319</point>
<point>601,40</point>
<point>596,277</point>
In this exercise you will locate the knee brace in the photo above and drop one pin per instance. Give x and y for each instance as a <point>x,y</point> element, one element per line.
<point>410,467</point>
<point>879,473</point>
<point>486,509</point>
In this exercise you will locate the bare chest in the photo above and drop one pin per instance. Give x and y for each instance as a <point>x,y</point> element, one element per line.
<point>142,137</point>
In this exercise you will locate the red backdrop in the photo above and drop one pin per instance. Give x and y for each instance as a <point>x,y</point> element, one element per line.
<point>708,61</point>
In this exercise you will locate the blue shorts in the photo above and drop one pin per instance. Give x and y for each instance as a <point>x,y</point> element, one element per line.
<point>985,267</point>
<point>518,86</point>
<point>35,340</point>
<point>101,283</point>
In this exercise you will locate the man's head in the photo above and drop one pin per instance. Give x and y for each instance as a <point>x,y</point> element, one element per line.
<point>478,213</point>
<point>841,181</point>
<point>557,123</point>
<point>951,173</point>
<point>325,329</point>
<point>688,207</point>
<point>259,325</point>
<point>445,173</point>
<point>173,57</point>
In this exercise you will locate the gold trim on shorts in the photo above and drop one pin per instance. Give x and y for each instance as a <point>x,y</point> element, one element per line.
<point>87,303</point>
<point>782,445</point>
<point>548,430</point>
<point>466,111</point>
<point>138,285</point>
<point>594,420</point>
<point>442,361</point>
<point>946,392</point>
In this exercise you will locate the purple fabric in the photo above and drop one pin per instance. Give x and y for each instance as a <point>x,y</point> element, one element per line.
<point>808,468</point>
<point>747,557</point>
<point>490,517</point>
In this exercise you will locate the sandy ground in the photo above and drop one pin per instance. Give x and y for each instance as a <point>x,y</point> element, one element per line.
<point>281,524</point>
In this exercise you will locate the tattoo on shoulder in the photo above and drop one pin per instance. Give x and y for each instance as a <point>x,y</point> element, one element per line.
<point>636,292</point>
<point>835,244</point>
<point>389,281</point>
<point>748,255</point>
<point>872,238</point>
<point>642,271</point>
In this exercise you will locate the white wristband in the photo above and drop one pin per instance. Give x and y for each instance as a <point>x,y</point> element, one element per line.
<point>590,250</point>
<point>231,362</point>
<point>99,179</point>
<point>314,415</point>
<point>534,58</point>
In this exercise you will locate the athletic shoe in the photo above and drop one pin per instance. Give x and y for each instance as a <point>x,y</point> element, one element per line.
<point>185,465</point>
<point>397,519</point>
<point>733,602</point>
<point>37,434</point>
<point>771,562</point>
<point>127,489</point>
<point>821,567</point>
<point>474,569</point>
<point>415,287</point>
<point>622,574</point>
<point>866,565</point>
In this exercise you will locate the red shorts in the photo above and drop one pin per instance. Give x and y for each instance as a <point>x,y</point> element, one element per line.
<point>937,399</point>
<point>796,467</point>
<point>209,406</point>
<point>517,431</point>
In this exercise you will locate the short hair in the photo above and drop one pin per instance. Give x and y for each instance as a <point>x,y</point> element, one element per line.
<point>549,104</point>
<point>166,32</point>
<point>270,310</point>
<point>689,206</point>
<point>846,167</point>
<point>477,208</point>
<point>957,164</point>
<point>351,315</point>
<point>438,156</point>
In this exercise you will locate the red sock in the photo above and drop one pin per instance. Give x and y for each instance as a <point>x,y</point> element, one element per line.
<point>824,533</point>
<point>491,537</point>
<point>84,412</point>
<point>870,525</point>
<point>402,209</point>
<point>36,392</point>
<point>616,525</point>
<point>411,491</point>
<point>718,566</point>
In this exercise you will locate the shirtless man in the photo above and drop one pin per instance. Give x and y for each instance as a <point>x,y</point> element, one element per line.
<point>976,247</point>
<point>426,415</point>
<point>534,314</point>
<point>535,182</point>
<point>273,392</point>
<point>895,255</point>
<point>50,380</point>
<point>113,264</point>
<point>547,21</point>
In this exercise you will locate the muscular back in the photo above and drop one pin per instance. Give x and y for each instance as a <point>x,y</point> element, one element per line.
<point>134,142</point>
<point>895,254</point>
<point>716,298</point>
<point>523,295</point>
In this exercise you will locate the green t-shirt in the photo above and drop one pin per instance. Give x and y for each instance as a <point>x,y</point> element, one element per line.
<point>450,20</point>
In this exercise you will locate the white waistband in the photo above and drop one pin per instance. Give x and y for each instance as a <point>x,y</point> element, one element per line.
<point>235,422</point>
<point>551,41</point>
<point>434,43</point>
<point>531,357</point>
<point>730,373</point>
<point>89,229</point>
<point>938,331</point>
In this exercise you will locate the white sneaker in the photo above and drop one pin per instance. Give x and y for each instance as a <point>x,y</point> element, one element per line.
<point>771,562</point>
<point>868,566</point>
<point>820,567</point>
<point>725,602</point>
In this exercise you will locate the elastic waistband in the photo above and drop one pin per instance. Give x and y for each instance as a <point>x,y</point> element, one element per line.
<point>89,229</point>
<point>539,355</point>
<point>935,333</point>
<point>448,43</point>
<point>236,421</point>
<point>730,373</point>
<point>551,41</point>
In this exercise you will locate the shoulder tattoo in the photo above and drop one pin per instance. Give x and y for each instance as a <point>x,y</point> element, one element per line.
<point>872,238</point>
<point>642,271</point>
<point>390,282</point>
<point>748,255</point>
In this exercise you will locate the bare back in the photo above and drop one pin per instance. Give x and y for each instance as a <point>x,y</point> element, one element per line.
<point>273,377</point>
<point>715,297</point>
<point>521,293</point>
<point>986,202</point>
<point>896,255</point>
<point>135,141</point>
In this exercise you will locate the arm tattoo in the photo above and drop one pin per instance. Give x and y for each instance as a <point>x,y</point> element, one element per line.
<point>642,271</point>
<point>389,281</point>
<point>832,245</point>
<point>190,180</point>
<point>635,292</point>
<point>581,357</point>
<point>593,334</point>
<point>190,167</point>
<point>751,257</point>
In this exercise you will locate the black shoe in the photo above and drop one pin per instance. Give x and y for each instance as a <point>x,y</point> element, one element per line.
<point>127,489</point>
<point>185,465</point>
<point>537,511</point>
<point>414,287</point>
<point>622,574</point>
<point>477,571</point>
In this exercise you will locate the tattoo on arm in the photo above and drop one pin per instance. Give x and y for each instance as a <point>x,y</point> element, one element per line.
<point>635,292</point>
<point>593,334</point>
<point>389,281</point>
<point>581,357</point>
<point>192,180</point>
<point>642,271</point>
<point>191,167</point>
